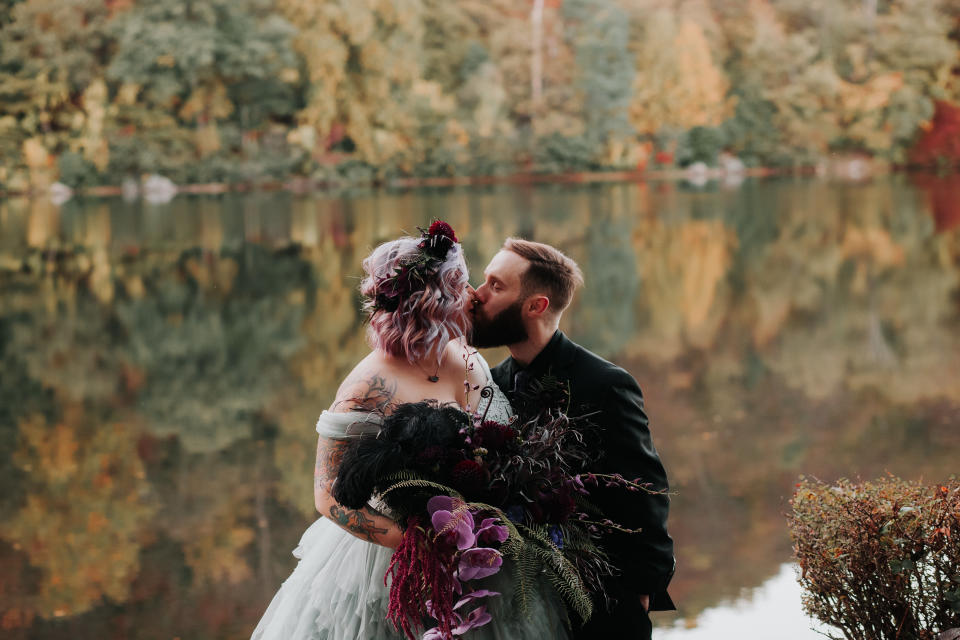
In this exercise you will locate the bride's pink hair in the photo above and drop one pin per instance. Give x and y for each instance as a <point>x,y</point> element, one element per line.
<point>426,320</point>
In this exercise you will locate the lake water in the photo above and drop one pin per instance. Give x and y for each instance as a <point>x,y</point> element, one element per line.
<point>162,367</point>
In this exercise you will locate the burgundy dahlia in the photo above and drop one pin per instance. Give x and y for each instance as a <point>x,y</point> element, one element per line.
<point>468,476</point>
<point>441,228</point>
<point>493,435</point>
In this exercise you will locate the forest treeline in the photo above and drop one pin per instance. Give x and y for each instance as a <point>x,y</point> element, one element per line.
<point>95,91</point>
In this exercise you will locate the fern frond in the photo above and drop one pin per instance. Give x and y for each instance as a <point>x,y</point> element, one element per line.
<point>419,483</point>
<point>562,573</point>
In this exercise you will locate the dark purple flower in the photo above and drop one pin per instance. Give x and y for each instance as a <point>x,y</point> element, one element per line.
<point>556,536</point>
<point>553,505</point>
<point>494,435</point>
<point>515,513</point>
<point>479,562</point>
<point>576,483</point>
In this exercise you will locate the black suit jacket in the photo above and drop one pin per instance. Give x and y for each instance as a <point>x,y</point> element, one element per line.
<point>645,559</point>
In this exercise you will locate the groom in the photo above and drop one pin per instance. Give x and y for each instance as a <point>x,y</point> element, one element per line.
<point>526,288</point>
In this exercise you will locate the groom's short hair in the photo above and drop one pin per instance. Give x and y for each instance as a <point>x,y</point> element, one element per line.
<point>550,271</point>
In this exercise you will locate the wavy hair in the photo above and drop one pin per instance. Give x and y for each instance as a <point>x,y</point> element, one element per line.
<point>426,320</point>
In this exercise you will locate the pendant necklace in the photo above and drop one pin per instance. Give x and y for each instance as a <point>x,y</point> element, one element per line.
<point>432,378</point>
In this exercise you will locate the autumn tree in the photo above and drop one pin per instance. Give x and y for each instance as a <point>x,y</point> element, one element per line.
<point>52,60</point>
<point>679,83</point>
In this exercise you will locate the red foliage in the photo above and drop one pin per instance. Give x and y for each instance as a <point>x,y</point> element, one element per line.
<point>943,193</point>
<point>419,567</point>
<point>664,157</point>
<point>941,142</point>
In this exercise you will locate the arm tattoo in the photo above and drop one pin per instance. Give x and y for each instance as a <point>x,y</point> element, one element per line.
<point>356,522</point>
<point>329,455</point>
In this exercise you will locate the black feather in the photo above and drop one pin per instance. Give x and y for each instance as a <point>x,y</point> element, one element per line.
<point>417,436</point>
<point>364,462</point>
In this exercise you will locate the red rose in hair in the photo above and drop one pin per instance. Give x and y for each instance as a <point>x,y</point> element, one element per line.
<point>441,228</point>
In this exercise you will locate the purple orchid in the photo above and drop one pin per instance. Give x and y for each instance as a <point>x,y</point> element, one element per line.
<point>475,595</point>
<point>490,531</point>
<point>434,633</point>
<point>476,618</point>
<point>449,517</point>
<point>478,563</point>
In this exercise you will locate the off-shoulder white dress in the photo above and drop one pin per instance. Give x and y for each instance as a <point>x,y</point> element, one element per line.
<point>337,592</point>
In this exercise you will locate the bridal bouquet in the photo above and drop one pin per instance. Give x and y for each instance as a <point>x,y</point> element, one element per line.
<point>471,492</point>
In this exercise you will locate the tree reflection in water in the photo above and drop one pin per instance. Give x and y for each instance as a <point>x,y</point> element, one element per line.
<point>163,367</point>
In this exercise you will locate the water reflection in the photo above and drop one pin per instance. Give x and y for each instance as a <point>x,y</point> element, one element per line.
<point>162,367</point>
<point>769,611</point>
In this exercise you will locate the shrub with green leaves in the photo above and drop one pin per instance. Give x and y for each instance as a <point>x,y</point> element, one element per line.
<point>879,559</point>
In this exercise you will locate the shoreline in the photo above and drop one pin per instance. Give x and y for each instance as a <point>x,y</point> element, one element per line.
<point>303,185</point>
<point>300,185</point>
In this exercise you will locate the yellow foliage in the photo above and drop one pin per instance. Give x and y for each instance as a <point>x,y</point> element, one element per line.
<point>85,516</point>
<point>35,154</point>
<point>215,552</point>
<point>208,101</point>
<point>677,84</point>
<point>684,270</point>
<point>367,94</point>
<point>95,147</point>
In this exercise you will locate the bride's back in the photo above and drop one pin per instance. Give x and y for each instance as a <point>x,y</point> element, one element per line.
<point>381,381</point>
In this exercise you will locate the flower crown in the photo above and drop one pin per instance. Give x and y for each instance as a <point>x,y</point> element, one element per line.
<point>412,276</point>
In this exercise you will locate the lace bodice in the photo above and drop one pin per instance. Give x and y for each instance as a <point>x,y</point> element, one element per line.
<point>499,408</point>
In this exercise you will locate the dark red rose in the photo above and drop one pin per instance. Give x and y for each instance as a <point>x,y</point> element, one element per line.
<point>441,228</point>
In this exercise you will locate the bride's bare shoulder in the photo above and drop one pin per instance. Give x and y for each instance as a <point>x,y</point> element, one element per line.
<point>371,386</point>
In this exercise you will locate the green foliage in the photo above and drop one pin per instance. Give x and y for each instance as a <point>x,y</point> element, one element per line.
<point>879,560</point>
<point>700,144</point>
<point>557,153</point>
<point>751,134</point>
<point>605,66</point>
<point>192,346</point>
<point>171,48</point>
<point>76,171</point>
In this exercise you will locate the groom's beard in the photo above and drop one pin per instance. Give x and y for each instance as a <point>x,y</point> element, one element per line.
<point>502,329</point>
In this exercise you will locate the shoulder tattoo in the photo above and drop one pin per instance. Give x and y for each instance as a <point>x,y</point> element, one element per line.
<point>375,393</point>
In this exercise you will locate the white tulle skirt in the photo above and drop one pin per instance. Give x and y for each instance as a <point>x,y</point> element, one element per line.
<point>336,592</point>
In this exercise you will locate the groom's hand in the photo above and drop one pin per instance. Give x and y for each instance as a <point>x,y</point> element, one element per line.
<point>645,603</point>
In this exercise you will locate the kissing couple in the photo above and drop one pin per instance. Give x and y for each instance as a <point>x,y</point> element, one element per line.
<point>425,324</point>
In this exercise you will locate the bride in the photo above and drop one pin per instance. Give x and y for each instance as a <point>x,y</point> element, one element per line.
<point>418,299</point>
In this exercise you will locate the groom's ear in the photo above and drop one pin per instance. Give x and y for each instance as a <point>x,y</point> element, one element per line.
<point>536,305</point>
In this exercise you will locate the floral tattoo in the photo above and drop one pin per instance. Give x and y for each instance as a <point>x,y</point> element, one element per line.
<point>356,522</point>
<point>376,396</point>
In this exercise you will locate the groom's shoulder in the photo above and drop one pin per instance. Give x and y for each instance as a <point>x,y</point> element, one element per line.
<point>596,370</point>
